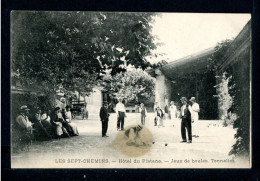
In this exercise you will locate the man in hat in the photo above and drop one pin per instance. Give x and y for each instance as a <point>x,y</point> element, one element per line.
<point>23,120</point>
<point>120,111</point>
<point>186,120</point>
<point>133,136</point>
<point>104,118</point>
<point>24,128</point>
<point>195,116</point>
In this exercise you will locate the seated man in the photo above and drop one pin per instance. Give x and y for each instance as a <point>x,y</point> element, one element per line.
<point>24,127</point>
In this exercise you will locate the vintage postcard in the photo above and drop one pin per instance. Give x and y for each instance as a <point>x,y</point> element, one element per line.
<point>130,90</point>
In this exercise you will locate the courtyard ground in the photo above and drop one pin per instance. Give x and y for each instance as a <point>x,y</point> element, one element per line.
<point>163,148</point>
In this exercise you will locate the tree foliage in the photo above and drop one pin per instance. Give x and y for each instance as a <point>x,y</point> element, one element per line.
<point>131,85</point>
<point>240,107</point>
<point>73,48</point>
<point>232,94</point>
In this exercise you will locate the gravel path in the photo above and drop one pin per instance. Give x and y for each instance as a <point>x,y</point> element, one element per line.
<point>90,150</point>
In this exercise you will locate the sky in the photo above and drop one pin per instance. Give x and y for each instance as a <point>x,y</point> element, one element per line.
<point>184,34</point>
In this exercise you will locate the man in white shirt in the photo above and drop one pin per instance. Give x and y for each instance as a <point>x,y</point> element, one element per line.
<point>195,116</point>
<point>120,112</point>
<point>24,128</point>
<point>23,120</point>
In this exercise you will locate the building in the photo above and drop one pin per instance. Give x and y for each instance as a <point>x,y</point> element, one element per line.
<point>190,76</point>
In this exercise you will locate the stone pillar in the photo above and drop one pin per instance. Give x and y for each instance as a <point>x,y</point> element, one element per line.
<point>162,89</point>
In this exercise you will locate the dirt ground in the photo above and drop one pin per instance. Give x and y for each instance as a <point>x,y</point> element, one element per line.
<point>163,148</point>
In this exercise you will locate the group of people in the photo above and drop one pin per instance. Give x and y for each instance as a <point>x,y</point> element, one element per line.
<point>45,124</point>
<point>131,133</point>
<point>104,116</point>
<point>189,114</point>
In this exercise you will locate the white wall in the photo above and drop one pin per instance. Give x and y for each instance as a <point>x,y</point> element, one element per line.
<point>162,89</point>
<point>94,101</point>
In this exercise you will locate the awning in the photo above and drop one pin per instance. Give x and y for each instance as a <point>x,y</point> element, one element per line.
<point>194,63</point>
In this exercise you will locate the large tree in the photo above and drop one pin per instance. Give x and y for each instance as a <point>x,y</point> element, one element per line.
<point>134,84</point>
<point>73,48</point>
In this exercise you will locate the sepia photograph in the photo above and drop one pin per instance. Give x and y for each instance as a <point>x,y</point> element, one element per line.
<point>130,90</point>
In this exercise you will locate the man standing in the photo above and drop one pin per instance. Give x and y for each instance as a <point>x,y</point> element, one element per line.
<point>195,116</point>
<point>155,108</point>
<point>186,120</point>
<point>120,112</point>
<point>143,113</point>
<point>84,111</point>
<point>104,116</point>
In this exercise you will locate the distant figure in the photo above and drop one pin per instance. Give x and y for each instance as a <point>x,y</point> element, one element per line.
<point>195,116</point>
<point>156,106</point>
<point>121,114</point>
<point>166,111</point>
<point>143,113</point>
<point>133,136</point>
<point>104,118</point>
<point>173,112</point>
<point>84,112</point>
<point>160,116</point>
<point>137,108</point>
<point>186,120</point>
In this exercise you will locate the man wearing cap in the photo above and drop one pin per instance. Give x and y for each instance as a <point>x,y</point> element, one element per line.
<point>23,120</point>
<point>186,120</point>
<point>120,112</point>
<point>195,116</point>
<point>104,118</point>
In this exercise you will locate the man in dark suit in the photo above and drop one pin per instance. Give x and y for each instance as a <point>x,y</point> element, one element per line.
<point>104,118</point>
<point>186,120</point>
